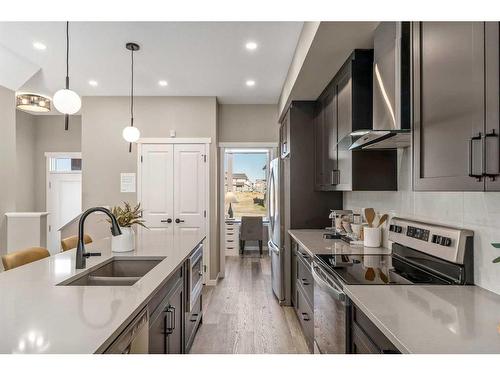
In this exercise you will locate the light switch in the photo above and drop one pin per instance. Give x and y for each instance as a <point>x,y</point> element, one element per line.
<point>172,133</point>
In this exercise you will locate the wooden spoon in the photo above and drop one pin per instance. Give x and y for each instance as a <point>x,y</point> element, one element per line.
<point>382,220</point>
<point>370,216</point>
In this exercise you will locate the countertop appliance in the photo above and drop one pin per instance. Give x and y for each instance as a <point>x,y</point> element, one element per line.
<point>134,339</point>
<point>422,253</point>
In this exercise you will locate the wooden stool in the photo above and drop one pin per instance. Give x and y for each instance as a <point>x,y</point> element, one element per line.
<point>71,242</point>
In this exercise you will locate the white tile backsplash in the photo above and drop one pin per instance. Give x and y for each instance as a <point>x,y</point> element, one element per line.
<point>476,211</point>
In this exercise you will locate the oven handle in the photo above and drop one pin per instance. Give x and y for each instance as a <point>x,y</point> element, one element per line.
<point>323,284</point>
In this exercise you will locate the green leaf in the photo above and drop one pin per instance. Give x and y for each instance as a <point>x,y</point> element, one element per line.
<point>496,260</point>
<point>496,245</point>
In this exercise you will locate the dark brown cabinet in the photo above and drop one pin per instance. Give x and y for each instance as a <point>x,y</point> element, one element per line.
<point>455,106</point>
<point>284,136</point>
<point>346,106</point>
<point>166,322</point>
<point>303,292</point>
<point>365,337</point>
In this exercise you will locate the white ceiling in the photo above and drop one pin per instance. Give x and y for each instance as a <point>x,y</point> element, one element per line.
<point>196,58</point>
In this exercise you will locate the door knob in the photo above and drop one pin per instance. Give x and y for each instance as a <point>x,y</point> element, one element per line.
<point>179,221</point>
<point>166,221</point>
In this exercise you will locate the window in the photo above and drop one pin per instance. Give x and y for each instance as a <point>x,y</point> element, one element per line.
<point>65,164</point>
<point>246,177</point>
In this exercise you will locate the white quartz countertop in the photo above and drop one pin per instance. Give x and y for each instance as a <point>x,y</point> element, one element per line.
<point>312,241</point>
<point>39,316</point>
<point>434,319</point>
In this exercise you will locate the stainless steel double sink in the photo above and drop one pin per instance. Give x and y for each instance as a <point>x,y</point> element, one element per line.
<point>115,271</point>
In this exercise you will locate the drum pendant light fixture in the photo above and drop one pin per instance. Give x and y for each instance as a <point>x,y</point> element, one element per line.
<point>65,100</point>
<point>130,133</point>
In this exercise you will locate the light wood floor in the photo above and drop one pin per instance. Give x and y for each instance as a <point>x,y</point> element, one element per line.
<point>241,314</point>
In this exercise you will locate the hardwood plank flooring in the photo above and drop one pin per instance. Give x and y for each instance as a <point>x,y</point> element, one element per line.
<point>241,314</point>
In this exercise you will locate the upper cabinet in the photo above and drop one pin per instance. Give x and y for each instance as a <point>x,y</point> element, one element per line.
<point>456,106</point>
<point>346,106</point>
<point>285,136</point>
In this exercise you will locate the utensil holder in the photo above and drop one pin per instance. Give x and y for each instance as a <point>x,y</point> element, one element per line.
<point>372,236</point>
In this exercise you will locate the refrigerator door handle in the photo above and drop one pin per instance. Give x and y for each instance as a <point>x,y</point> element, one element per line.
<point>273,247</point>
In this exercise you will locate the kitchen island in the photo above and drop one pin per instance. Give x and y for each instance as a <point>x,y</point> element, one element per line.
<point>39,316</point>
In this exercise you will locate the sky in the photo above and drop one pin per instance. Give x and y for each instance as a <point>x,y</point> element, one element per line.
<point>251,164</point>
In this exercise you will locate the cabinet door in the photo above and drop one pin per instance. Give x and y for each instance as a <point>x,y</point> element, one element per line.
<point>157,338</point>
<point>492,130</point>
<point>344,127</point>
<point>448,102</point>
<point>330,139</point>
<point>319,137</point>
<point>285,135</point>
<point>361,343</point>
<point>175,313</point>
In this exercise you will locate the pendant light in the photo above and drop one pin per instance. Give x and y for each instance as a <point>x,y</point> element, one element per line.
<point>65,100</point>
<point>130,133</point>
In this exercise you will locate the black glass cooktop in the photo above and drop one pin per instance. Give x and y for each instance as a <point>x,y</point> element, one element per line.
<point>377,270</point>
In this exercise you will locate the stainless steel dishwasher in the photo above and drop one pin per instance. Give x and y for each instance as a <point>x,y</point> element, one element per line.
<point>134,339</point>
<point>331,309</point>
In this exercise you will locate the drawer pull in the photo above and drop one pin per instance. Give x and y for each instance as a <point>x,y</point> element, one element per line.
<point>305,281</point>
<point>305,317</point>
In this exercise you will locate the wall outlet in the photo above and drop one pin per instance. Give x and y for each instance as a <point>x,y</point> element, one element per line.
<point>172,133</point>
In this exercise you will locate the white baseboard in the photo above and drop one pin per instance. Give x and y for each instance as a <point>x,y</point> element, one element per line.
<point>213,282</point>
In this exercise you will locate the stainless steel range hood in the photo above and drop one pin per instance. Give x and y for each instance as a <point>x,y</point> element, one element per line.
<point>391,92</point>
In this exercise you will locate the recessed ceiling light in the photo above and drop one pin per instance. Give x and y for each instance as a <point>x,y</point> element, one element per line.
<point>93,83</point>
<point>163,83</point>
<point>251,46</point>
<point>250,82</point>
<point>39,46</point>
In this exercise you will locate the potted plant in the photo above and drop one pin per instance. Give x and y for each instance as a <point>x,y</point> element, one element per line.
<point>127,216</point>
<point>496,246</point>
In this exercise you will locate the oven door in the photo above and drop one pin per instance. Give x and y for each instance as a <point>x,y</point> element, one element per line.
<point>195,277</point>
<point>331,308</point>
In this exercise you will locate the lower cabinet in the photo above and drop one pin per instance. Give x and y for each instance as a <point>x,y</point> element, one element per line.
<point>166,321</point>
<point>172,327</point>
<point>303,293</point>
<point>366,338</point>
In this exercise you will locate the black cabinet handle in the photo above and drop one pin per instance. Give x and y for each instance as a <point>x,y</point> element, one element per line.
<point>169,319</point>
<point>491,176</point>
<point>471,156</point>
<point>305,281</point>
<point>166,221</point>
<point>305,317</point>
<point>194,317</point>
<point>179,221</point>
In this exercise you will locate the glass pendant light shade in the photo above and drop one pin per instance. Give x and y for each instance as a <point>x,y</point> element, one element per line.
<point>67,101</point>
<point>131,134</point>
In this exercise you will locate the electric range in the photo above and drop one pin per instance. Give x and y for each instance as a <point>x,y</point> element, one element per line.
<point>422,253</point>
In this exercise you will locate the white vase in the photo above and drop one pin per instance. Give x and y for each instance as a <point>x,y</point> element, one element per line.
<point>124,242</point>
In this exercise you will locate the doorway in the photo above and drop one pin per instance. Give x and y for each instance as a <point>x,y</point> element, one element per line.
<point>64,194</point>
<point>243,192</point>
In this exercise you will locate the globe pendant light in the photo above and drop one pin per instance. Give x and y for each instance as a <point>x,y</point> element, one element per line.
<point>131,134</point>
<point>65,100</point>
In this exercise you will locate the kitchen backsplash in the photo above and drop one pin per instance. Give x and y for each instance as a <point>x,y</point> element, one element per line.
<point>476,211</point>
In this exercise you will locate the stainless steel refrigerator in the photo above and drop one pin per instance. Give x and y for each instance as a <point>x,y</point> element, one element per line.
<point>275,244</point>
<point>293,203</point>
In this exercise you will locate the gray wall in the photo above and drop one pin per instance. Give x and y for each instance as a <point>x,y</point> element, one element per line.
<point>7,159</point>
<point>25,150</point>
<point>248,123</point>
<point>105,153</point>
<point>51,137</point>
<point>477,211</point>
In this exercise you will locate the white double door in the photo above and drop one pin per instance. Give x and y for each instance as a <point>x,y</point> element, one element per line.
<point>173,179</point>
